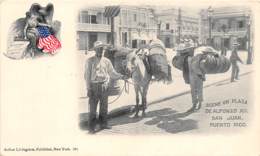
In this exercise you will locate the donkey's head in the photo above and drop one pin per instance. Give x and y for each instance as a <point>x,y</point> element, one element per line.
<point>134,60</point>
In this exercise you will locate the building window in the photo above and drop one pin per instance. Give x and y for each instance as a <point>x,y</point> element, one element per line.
<point>92,39</point>
<point>167,26</point>
<point>124,18</point>
<point>159,26</point>
<point>142,17</point>
<point>93,19</point>
<point>99,18</point>
<point>124,38</point>
<point>84,18</point>
<point>82,40</point>
<point>134,43</point>
<point>108,21</point>
<point>241,24</point>
<point>109,37</point>
<point>167,42</point>
<point>135,17</point>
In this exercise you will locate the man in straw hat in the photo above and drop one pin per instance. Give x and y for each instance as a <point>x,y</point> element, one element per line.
<point>98,72</point>
<point>233,59</point>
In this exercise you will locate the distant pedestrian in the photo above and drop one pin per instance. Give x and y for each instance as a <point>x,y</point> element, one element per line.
<point>98,72</point>
<point>233,59</point>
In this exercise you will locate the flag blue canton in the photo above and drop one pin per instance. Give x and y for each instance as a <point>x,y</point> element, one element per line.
<point>43,31</point>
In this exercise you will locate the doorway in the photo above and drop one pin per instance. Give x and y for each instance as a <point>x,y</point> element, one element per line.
<point>124,38</point>
<point>167,42</point>
<point>227,43</point>
<point>92,40</point>
<point>134,43</point>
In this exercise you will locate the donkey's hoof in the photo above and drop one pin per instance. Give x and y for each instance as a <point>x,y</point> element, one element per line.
<point>136,115</point>
<point>143,114</point>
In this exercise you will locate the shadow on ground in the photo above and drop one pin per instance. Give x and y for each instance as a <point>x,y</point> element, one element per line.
<point>167,119</point>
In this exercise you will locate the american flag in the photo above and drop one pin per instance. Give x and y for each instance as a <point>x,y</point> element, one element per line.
<point>47,42</point>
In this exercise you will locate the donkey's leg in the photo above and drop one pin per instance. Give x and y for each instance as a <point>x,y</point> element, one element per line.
<point>143,104</point>
<point>137,100</point>
<point>144,100</point>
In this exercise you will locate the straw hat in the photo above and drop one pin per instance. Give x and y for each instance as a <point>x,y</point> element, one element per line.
<point>208,50</point>
<point>182,47</point>
<point>99,44</point>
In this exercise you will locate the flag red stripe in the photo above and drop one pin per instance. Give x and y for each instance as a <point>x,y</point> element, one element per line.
<point>49,44</point>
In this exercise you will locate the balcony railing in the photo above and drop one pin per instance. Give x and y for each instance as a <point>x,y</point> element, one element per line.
<point>167,32</point>
<point>233,31</point>
<point>230,30</point>
<point>93,27</point>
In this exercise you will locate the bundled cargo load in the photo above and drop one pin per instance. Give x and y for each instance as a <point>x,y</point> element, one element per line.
<point>119,59</point>
<point>213,64</point>
<point>210,62</point>
<point>157,59</point>
<point>183,51</point>
<point>117,56</point>
<point>206,61</point>
<point>178,61</point>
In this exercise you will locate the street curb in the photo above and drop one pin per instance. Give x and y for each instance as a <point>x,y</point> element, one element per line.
<point>188,91</point>
<point>131,108</point>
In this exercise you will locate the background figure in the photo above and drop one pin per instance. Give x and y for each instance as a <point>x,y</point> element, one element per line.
<point>233,59</point>
<point>224,51</point>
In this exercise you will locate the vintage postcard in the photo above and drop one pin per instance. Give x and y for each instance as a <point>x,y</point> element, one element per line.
<point>129,78</point>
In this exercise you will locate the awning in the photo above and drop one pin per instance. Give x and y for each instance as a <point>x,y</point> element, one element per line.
<point>112,11</point>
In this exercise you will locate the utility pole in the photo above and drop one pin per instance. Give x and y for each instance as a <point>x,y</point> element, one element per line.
<point>249,56</point>
<point>112,31</point>
<point>210,30</point>
<point>223,48</point>
<point>179,26</point>
<point>159,29</point>
<point>210,12</point>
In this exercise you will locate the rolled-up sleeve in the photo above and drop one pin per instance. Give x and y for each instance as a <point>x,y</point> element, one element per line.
<point>112,73</point>
<point>87,74</point>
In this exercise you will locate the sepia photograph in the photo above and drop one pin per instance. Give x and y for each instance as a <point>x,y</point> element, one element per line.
<point>165,70</point>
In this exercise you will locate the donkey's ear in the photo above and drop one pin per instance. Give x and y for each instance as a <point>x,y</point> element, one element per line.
<point>137,51</point>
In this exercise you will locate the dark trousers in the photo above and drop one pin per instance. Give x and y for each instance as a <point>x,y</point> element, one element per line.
<point>235,71</point>
<point>98,94</point>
